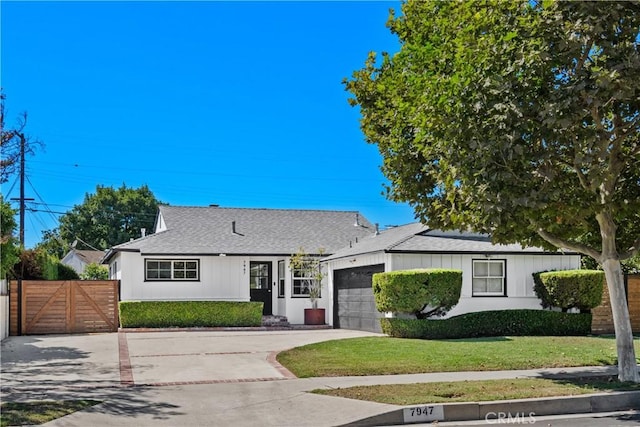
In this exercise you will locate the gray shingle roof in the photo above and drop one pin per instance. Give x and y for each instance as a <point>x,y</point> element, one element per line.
<point>208,230</point>
<point>415,237</point>
<point>90,256</point>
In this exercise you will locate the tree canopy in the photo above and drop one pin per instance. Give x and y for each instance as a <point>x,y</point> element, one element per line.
<point>11,138</point>
<point>519,119</point>
<point>8,245</point>
<point>95,271</point>
<point>104,219</point>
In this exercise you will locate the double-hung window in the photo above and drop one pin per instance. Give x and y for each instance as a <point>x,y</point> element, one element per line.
<point>489,277</point>
<point>302,282</point>
<point>166,269</point>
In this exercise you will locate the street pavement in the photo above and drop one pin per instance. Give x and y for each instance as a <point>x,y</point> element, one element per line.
<point>199,378</point>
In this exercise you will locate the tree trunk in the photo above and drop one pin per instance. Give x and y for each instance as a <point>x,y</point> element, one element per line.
<point>627,366</point>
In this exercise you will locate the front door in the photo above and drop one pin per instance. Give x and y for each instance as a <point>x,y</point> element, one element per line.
<point>260,284</point>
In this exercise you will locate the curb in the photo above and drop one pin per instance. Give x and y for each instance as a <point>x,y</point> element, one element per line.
<point>514,410</point>
<point>230,328</point>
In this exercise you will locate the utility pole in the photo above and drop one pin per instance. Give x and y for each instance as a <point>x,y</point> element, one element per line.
<point>19,290</point>
<point>22,207</point>
<point>22,200</point>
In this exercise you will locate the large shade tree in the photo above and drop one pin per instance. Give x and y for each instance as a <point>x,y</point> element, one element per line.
<point>519,119</point>
<point>109,217</point>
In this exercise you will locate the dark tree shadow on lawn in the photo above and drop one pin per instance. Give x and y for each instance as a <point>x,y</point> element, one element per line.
<point>598,380</point>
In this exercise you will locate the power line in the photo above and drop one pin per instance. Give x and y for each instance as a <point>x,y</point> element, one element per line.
<point>48,209</point>
<point>12,186</point>
<point>45,210</point>
<point>95,249</point>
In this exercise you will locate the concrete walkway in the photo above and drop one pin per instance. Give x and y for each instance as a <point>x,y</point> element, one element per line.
<point>201,379</point>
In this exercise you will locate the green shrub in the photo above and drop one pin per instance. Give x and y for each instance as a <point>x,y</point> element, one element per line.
<point>36,264</point>
<point>9,245</point>
<point>567,289</point>
<point>95,271</point>
<point>184,314</point>
<point>49,266</point>
<point>491,324</point>
<point>28,266</point>
<point>413,291</point>
<point>66,273</point>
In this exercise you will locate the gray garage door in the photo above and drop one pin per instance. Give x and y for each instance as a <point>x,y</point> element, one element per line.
<point>354,305</point>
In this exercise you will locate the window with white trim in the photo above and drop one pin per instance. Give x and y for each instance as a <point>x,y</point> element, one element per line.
<point>281,274</point>
<point>113,270</point>
<point>167,269</point>
<point>489,277</point>
<point>302,282</point>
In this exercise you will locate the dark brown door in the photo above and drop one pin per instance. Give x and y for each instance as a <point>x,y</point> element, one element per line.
<point>260,284</point>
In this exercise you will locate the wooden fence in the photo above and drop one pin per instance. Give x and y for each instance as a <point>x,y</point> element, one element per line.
<point>602,322</point>
<point>64,307</point>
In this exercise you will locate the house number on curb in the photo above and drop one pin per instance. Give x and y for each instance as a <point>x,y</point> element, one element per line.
<point>424,413</point>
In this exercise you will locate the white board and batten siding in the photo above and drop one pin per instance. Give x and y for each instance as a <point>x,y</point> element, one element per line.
<point>519,279</point>
<point>519,270</point>
<point>361,261</point>
<point>219,279</point>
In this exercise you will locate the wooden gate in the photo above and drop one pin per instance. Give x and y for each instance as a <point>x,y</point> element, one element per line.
<point>602,322</point>
<point>65,307</point>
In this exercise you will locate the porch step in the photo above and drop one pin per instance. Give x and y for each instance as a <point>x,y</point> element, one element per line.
<point>277,321</point>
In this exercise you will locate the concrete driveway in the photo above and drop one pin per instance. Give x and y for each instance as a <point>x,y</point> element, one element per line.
<point>153,358</point>
<point>192,378</point>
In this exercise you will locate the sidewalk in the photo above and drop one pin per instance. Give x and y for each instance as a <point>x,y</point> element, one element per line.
<point>288,402</point>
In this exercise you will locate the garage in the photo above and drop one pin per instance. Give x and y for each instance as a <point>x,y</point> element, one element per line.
<point>354,305</point>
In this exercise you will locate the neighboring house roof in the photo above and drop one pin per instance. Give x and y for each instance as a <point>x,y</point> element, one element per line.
<point>417,238</point>
<point>210,230</point>
<point>85,256</point>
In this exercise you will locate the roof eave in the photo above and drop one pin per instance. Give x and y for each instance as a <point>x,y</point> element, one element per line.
<point>448,252</point>
<point>478,252</point>
<point>112,252</point>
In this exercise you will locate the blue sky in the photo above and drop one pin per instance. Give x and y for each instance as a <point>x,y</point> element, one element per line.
<point>232,103</point>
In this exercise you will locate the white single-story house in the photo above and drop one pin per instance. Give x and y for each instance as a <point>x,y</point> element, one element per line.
<point>79,259</point>
<point>494,277</point>
<point>232,254</point>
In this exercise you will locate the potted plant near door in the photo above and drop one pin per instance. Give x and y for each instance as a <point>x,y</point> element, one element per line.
<point>307,271</point>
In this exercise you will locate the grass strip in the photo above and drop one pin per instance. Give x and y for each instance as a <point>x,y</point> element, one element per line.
<point>477,391</point>
<point>390,356</point>
<point>39,412</point>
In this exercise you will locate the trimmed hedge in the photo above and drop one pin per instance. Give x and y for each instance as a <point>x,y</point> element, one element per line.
<point>491,324</point>
<point>412,291</point>
<point>66,272</point>
<point>184,314</point>
<point>567,289</point>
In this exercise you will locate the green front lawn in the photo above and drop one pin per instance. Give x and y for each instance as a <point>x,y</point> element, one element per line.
<point>388,356</point>
<point>477,391</point>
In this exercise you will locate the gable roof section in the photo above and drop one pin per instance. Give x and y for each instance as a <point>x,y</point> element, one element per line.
<point>417,238</point>
<point>209,230</point>
<point>86,256</point>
